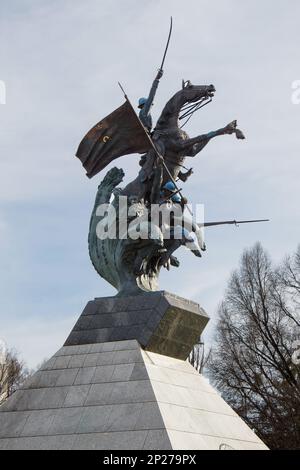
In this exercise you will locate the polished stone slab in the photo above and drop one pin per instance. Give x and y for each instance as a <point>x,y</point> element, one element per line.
<point>116,395</point>
<point>161,322</point>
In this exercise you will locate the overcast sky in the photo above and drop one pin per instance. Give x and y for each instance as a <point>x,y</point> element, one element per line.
<point>60,61</point>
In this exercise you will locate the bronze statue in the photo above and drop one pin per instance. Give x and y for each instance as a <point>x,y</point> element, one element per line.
<point>129,241</point>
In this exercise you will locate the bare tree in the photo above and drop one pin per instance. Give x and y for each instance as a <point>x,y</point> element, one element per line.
<point>288,277</point>
<point>198,357</point>
<point>12,374</point>
<point>252,362</point>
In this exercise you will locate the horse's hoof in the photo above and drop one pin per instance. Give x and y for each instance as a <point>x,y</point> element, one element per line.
<point>197,253</point>
<point>239,134</point>
<point>231,127</point>
<point>174,262</point>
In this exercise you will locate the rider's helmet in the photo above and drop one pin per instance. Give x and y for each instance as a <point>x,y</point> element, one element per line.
<point>176,198</point>
<point>142,102</point>
<point>170,186</point>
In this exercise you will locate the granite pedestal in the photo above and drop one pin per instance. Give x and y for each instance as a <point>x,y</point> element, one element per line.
<point>121,381</point>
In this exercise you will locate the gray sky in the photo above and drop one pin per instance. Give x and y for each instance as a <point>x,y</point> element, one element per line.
<point>61,61</point>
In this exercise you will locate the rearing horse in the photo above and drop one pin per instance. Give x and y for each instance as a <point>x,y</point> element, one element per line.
<point>174,144</point>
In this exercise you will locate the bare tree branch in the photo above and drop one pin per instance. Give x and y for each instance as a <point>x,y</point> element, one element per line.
<point>12,374</point>
<point>252,359</point>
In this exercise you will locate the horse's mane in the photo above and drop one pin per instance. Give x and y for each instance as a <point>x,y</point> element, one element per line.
<point>172,108</point>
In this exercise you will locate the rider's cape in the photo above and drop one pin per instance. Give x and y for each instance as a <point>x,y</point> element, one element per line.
<point>120,133</point>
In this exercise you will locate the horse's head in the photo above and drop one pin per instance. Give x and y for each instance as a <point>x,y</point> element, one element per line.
<point>189,94</point>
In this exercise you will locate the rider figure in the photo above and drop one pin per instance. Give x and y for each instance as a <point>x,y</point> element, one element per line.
<point>146,103</point>
<point>181,226</point>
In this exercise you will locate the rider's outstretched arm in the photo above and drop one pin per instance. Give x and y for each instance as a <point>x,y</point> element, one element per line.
<point>152,93</point>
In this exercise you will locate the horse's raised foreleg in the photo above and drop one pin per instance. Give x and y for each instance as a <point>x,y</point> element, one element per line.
<point>190,147</point>
<point>193,146</point>
<point>231,128</point>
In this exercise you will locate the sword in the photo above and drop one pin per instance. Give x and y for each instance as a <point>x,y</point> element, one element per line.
<point>167,46</point>
<point>232,222</point>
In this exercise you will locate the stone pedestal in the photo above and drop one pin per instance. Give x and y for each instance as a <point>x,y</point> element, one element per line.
<point>121,382</point>
<point>161,322</point>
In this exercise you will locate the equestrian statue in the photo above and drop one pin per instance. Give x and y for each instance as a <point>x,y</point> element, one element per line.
<point>135,230</point>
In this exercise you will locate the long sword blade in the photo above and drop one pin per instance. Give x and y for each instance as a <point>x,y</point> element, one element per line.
<point>167,46</point>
